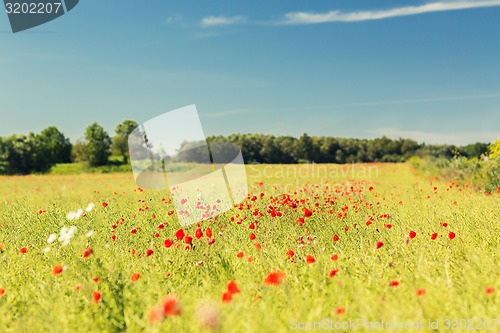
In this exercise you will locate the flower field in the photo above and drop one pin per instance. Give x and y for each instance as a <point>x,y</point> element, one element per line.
<point>89,253</point>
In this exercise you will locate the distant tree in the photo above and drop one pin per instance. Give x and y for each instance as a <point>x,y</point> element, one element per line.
<point>56,145</point>
<point>120,141</point>
<point>306,148</point>
<point>409,147</point>
<point>98,144</point>
<point>80,152</point>
<point>476,149</point>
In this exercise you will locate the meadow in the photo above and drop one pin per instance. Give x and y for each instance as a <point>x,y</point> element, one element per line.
<point>371,242</point>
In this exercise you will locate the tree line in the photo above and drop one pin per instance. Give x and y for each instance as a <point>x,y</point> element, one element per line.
<point>23,154</point>
<point>260,148</point>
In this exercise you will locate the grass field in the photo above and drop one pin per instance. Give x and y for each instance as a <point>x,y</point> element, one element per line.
<point>373,223</point>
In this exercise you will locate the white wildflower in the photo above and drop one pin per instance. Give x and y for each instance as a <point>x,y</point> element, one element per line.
<point>90,233</point>
<point>52,238</point>
<point>66,235</point>
<point>71,215</point>
<point>79,213</point>
<point>47,249</point>
<point>90,207</point>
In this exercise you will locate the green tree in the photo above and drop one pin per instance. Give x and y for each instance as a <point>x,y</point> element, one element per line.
<point>120,141</point>
<point>79,152</point>
<point>98,144</point>
<point>56,145</point>
<point>476,149</point>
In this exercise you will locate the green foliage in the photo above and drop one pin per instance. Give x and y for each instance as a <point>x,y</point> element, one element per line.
<point>21,154</point>
<point>260,148</point>
<point>480,173</point>
<point>476,149</point>
<point>119,144</point>
<point>80,153</point>
<point>98,144</point>
<point>57,145</point>
<point>494,150</point>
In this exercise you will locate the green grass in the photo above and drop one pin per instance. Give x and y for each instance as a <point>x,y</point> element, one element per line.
<point>79,168</point>
<point>454,273</point>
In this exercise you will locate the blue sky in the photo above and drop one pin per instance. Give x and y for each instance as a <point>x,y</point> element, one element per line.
<point>420,69</point>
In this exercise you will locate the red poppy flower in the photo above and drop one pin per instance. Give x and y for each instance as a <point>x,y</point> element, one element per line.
<point>227,297</point>
<point>171,305</point>
<point>412,234</point>
<point>275,278</point>
<point>434,236</point>
<point>451,235</point>
<point>257,246</point>
<point>310,259</point>
<point>149,252</point>
<point>23,250</point>
<point>188,239</point>
<point>250,259</point>
<point>135,276</point>
<point>379,245</point>
<point>240,255</point>
<point>198,233</point>
<point>333,272</point>
<point>335,238</point>
<point>233,288</point>
<point>420,292</point>
<point>340,310</point>
<point>179,234</point>
<point>307,212</point>
<point>57,269</point>
<point>104,204</point>
<point>252,236</point>
<point>87,253</point>
<point>2,291</point>
<point>168,243</point>
<point>394,283</point>
<point>208,232</point>
<point>290,254</point>
<point>489,290</point>
<point>335,257</point>
<point>96,296</point>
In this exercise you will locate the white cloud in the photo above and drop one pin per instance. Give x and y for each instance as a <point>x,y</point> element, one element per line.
<point>338,16</point>
<point>211,21</point>
<point>173,19</point>
<point>458,138</point>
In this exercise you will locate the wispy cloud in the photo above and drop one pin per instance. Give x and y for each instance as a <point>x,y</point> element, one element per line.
<point>211,21</point>
<point>339,16</point>
<point>173,19</point>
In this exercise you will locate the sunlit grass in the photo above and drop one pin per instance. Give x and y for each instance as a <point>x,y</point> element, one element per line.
<point>453,272</point>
